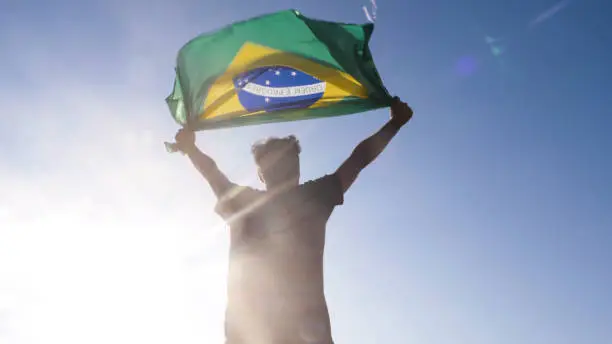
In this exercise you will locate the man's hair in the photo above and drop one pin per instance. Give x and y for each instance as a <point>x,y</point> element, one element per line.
<point>289,145</point>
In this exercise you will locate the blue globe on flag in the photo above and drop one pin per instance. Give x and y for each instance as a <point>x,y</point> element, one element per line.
<point>277,88</point>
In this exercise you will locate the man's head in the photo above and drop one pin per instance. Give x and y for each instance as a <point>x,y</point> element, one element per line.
<point>278,161</point>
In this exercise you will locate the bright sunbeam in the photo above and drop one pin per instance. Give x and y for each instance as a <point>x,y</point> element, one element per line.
<point>96,240</point>
<point>101,266</point>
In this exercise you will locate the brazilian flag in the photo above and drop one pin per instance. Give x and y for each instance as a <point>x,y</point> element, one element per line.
<point>277,67</point>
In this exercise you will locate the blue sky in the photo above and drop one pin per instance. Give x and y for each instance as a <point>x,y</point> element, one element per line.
<point>486,221</point>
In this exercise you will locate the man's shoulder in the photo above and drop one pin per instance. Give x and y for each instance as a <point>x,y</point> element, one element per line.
<point>328,178</point>
<point>327,188</point>
<point>236,199</point>
<point>240,193</point>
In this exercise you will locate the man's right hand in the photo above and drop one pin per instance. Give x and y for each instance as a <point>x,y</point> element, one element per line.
<point>185,140</point>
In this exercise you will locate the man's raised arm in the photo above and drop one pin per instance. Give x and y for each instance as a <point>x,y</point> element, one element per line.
<point>370,148</point>
<point>185,140</point>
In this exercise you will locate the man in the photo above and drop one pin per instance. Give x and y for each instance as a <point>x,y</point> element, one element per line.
<point>277,236</point>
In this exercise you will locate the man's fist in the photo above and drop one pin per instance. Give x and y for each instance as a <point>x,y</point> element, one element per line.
<point>401,113</point>
<point>185,139</point>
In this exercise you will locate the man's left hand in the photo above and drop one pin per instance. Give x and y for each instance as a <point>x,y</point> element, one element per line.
<point>401,113</point>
